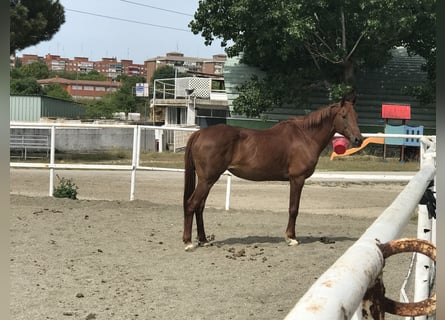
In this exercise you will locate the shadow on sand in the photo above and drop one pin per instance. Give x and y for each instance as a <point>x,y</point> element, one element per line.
<point>266,239</point>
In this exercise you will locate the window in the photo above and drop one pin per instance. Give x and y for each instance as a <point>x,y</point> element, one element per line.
<point>88,88</point>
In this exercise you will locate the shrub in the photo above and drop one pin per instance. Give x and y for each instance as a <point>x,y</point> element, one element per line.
<point>66,189</point>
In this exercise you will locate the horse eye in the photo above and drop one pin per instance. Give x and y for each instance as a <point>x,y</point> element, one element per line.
<point>343,116</point>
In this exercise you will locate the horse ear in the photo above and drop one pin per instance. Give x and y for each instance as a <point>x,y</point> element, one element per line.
<point>350,97</point>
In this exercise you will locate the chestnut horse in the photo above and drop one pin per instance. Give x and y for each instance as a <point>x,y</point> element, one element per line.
<point>287,151</point>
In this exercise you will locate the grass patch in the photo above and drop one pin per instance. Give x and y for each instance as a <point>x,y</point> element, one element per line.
<point>164,159</point>
<point>365,163</point>
<point>357,162</point>
<point>65,189</point>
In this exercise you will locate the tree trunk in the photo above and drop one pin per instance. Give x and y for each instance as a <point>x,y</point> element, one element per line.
<point>348,72</point>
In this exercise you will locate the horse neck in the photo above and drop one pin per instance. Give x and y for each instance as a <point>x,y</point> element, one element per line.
<point>323,131</point>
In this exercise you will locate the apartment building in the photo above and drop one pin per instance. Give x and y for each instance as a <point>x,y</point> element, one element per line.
<point>201,66</point>
<point>112,67</point>
<point>109,67</point>
<point>83,89</point>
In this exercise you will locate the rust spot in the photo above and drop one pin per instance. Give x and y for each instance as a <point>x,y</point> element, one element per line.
<point>408,245</point>
<point>413,309</point>
<point>328,283</point>
<point>314,308</point>
<point>372,301</point>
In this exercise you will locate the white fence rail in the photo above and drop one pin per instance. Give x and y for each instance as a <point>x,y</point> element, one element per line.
<point>338,293</point>
<point>135,165</point>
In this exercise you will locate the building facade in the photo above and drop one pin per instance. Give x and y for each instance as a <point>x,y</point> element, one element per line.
<point>200,66</point>
<point>112,67</point>
<point>83,89</point>
<point>109,67</point>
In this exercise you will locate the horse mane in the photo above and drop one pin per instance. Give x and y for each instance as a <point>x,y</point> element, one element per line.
<point>315,118</point>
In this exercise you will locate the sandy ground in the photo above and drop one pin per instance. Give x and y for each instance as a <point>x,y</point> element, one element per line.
<point>104,257</point>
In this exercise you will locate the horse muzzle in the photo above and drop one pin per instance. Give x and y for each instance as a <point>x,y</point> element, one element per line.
<point>356,141</point>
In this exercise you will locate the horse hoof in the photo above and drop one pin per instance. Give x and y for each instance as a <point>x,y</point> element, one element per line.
<point>291,242</point>
<point>189,247</point>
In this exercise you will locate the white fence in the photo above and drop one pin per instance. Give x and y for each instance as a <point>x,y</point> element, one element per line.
<point>351,274</point>
<point>338,293</point>
<point>135,165</point>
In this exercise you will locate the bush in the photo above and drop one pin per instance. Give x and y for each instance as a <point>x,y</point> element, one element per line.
<point>66,189</point>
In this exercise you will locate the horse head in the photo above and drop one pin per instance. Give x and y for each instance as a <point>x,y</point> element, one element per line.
<point>345,121</point>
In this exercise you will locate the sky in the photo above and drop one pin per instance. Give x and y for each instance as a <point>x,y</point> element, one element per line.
<point>126,29</point>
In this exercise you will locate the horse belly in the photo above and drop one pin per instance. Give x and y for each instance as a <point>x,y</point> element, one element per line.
<point>258,174</point>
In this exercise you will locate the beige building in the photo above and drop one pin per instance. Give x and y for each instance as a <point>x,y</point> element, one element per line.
<point>208,67</point>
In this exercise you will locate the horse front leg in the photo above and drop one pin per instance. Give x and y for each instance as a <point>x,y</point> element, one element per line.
<point>296,186</point>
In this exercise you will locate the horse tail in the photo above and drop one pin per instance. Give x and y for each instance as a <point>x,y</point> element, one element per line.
<point>189,166</point>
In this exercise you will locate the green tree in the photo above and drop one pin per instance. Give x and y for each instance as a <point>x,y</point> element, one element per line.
<point>33,21</point>
<point>321,44</point>
<point>25,86</point>
<point>37,70</point>
<point>101,108</point>
<point>254,98</point>
<point>163,72</point>
<point>125,99</point>
<point>421,40</point>
<point>92,75</point>
<point>56,91</point>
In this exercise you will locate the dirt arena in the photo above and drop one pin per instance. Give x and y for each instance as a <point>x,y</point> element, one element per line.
<point>105,257</point>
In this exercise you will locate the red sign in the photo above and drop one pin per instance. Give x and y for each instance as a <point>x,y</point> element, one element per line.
<point>396,111</point>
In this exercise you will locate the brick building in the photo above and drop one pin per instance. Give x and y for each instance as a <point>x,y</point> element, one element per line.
<point>109,67</point>
<point>83,89</point>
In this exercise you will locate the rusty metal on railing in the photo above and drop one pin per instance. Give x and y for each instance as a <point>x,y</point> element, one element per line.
<point>376,304</point>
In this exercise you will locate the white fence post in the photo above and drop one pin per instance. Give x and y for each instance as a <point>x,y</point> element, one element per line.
<point>422,278</point>
<point>161,141</point>
<point>135,159</point>
<point>52,160</point>
<point>228,186</point>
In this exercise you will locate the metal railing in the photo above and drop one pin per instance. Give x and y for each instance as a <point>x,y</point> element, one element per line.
<point>338,293</point>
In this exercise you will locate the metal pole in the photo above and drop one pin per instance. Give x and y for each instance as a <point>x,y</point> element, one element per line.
<point>51,161</point>
<point>423,263</point>
<point>229,184</point>
<point>135,159</point>
<point>161,141</point>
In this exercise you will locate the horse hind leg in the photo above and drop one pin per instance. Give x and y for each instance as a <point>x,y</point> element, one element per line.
<point>196,205</point>
<point>202,238</point>
<point>188,224</point>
